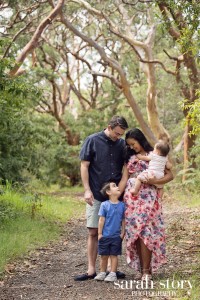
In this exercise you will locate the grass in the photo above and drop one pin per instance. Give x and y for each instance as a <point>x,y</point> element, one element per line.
<point>21,235</point>
<point>33,219</point>
<point>195,292</point>
<point>187,197</point>
<point>186,292</point>
<point>177,287</point>
<point>187,201</point>
<point>61,208</point>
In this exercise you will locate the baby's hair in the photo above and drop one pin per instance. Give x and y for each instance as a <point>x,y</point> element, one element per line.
<point>163,147</point>
<point>105,188</point>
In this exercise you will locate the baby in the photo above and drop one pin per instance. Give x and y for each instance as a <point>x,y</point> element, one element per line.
<point>158,160</point>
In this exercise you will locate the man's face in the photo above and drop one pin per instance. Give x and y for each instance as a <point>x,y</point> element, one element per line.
<point>115,133</point>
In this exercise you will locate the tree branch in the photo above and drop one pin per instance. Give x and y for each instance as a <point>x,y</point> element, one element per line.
<point>175,34</point>
<point>15,37</point>
<point>34,40</point>
<point>112,78</point>
<point>115,65</point>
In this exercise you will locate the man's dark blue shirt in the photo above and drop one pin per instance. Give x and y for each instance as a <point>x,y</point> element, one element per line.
<point>106,159</point>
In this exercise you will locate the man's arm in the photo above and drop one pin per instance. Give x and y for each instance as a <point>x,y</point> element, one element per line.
<point>100,226</point>
<point>88,196</point>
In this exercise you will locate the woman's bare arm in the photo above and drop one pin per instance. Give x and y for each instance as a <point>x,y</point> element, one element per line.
<point>123,181</point>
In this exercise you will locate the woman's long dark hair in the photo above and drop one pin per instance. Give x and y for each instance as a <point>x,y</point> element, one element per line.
<point>137,135</point>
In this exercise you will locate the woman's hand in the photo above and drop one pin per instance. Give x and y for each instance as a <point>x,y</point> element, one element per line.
<point>150,181</point>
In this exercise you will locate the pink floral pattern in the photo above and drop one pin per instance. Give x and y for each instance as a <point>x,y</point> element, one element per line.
<point>143,218</point>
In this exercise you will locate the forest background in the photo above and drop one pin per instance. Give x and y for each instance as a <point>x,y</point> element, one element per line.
<point>67,66</point>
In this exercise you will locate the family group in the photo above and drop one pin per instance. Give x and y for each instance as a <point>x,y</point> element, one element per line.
<point>123,182</point>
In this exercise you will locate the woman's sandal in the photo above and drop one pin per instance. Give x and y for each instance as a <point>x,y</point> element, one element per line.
<point>146,276</point>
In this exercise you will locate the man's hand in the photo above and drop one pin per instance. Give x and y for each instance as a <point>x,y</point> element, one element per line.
<point>89,198</point>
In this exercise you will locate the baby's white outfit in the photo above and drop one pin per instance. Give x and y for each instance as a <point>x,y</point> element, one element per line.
<point>155,169</point>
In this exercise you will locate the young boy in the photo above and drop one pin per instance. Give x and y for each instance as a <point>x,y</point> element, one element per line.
<point>157,162</point>
<point>111,231</point>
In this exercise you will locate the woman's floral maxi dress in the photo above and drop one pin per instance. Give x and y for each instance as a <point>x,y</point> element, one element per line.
<point>143,218</point>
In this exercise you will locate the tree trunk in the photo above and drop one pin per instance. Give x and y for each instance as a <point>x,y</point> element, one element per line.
<point>124,82</point>
<point>177,25</point>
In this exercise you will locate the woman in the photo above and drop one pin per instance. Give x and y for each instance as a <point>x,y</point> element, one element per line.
<point>145,237</point>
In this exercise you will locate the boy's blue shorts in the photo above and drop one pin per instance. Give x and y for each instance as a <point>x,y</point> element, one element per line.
<point>110,246</point>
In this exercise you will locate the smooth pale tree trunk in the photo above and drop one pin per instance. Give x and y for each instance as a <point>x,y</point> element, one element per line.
<point>124,82</point>
<point>141,48</point>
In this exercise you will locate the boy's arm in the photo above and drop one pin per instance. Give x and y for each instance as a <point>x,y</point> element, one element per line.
<point>122,229</point>
<point>100,226</point>
<point>143,157</point>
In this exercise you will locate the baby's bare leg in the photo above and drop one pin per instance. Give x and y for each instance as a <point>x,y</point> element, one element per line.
<point>135,190</point>
<point>161,191</point>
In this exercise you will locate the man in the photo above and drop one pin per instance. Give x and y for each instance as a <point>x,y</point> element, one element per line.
<point>102,160</point>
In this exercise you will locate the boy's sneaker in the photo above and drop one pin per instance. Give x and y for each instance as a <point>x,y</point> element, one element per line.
<point>119,274</point>
<point>111,277</point>
<point>101,276</point>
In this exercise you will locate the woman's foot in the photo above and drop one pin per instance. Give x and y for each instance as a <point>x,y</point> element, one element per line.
<point>146,274</point>
<point>146,277</point>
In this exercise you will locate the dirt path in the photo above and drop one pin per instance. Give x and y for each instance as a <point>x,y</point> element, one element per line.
<point>47,274</point>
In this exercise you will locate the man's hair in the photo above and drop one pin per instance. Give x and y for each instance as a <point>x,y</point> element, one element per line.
<point>163,147</point>
<point>118,121</point>
<point>105,188</point>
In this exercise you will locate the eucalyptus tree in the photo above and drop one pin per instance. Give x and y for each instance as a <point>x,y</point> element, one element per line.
<point>181,18</point>
<point>53,53</point>
<point>182,22</point>
<point>68,72</point>
<point>76,42</point>
<point>105,34</point>
<point>109,29</point>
